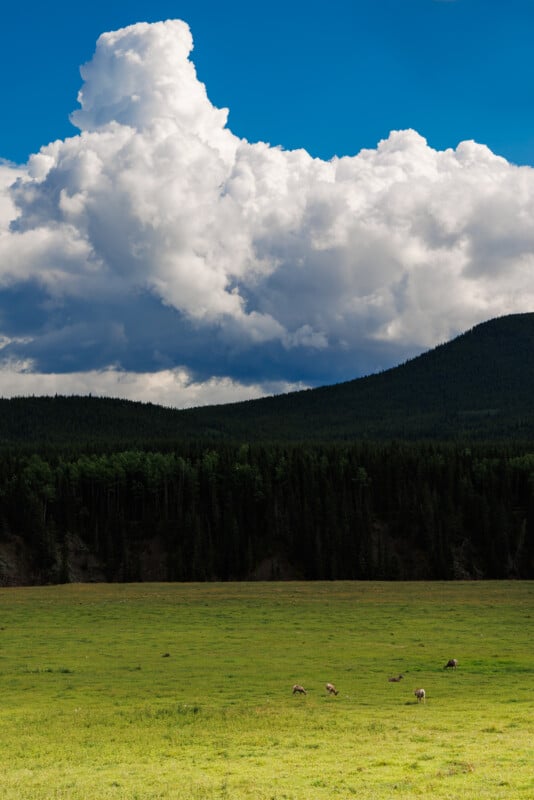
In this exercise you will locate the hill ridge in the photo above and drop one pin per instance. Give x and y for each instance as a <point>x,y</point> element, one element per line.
<point>478,385</point>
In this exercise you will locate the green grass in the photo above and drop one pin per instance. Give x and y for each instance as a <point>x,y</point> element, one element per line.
<point>92,707</point>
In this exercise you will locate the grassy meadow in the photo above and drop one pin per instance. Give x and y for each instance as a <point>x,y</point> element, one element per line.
<point>184,691</point>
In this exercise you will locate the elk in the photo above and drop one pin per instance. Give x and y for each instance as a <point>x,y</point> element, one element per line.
<point>396,680</point>
<point>420,694</point>
<point>298,689</point>
<point>331,689</point>
<point>452,663</point>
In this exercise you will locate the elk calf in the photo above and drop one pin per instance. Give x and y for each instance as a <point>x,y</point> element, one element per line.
<point>396,680</point>
<point>451,664</point>
<point>420,694</point>
<point>331,689</point>
<point>298,689</point>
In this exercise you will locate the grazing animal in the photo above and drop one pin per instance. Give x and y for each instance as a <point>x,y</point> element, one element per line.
<point>331,689</point>
<point>298,689</point>
<point>451,664</point>
<point>420,694</point>
<point>396,680</point>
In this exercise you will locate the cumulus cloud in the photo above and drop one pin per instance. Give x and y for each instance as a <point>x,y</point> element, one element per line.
<point>157,242</point>
<point>8,175</point>
<point>170,387</point>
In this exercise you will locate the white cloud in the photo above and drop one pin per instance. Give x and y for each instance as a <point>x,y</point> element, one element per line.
<point>8,175</point>
<point>173,388</point>
<point>158,234</point>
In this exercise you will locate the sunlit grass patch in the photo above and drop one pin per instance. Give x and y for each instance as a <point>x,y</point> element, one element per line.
<point>184,691</point>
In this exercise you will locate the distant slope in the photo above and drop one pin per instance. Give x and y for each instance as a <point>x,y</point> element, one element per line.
<point>49,420</point>
<point>479,385</point>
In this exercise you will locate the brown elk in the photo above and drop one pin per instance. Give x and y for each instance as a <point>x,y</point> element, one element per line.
<point>452,663</point>
<point>420,694</point>
<point>298,689</point>
<point>331,689</point>
<point>396,680</point>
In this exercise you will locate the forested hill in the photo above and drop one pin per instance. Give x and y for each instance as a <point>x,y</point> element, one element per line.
<point>480,385</point>
<point>95,489</point>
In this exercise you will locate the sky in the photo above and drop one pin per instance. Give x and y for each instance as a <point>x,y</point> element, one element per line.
<point>202,202</point>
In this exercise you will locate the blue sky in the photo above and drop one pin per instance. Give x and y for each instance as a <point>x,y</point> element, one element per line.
<point>158,250</point>
<point>331,78</point>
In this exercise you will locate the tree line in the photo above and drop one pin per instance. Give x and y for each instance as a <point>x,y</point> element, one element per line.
<point>366,510</point>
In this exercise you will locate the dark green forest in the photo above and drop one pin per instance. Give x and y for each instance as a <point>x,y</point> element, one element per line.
<point>233,512</point>
<point>423,471</point>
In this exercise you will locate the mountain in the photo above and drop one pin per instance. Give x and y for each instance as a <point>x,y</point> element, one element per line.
<point>479,385</point>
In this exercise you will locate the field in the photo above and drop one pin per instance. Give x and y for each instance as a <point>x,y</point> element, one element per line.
<point>184,691</point>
